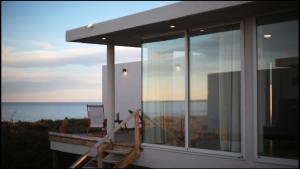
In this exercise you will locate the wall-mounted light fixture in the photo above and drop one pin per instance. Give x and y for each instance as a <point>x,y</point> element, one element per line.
<point>172,26</point>
<point>178,67</point>
<point>124,72</point>
<point>202,30</point>
<point>103,38</point>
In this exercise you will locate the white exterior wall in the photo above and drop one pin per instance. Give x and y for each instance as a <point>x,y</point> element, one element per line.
<point>127,89</point>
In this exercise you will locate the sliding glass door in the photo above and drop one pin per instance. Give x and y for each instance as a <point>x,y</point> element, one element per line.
<point>214,84</point>
<point>163,91</point>
<point>215,57</point>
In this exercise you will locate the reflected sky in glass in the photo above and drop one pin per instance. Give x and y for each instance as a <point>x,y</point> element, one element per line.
<point>283,43</point>
<point>163,70</point>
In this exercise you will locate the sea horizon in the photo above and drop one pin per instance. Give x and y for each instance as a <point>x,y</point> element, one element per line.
<point>35,111</point>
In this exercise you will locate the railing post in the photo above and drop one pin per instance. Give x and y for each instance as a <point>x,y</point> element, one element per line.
<point>137,133</point>
<point>100,150</point>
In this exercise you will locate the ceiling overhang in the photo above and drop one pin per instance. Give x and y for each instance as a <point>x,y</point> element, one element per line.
<point>130,30</point>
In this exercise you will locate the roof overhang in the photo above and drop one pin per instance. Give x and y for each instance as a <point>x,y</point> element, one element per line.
<point>130,30</point>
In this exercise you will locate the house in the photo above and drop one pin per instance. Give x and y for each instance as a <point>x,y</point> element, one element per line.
<point>219,85</point>
<point>127,89</point>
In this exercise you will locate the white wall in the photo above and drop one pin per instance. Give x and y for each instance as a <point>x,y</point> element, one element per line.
<point>127,89</point>
<point>170,158</point>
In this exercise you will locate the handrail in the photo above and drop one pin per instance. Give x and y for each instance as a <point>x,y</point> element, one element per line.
<point>78,162</point>
<point>152,121</point>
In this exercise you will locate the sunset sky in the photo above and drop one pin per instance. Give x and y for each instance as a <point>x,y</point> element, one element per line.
<point>38,65</point>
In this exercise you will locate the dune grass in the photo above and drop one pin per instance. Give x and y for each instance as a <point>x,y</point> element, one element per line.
<point>26,145</point>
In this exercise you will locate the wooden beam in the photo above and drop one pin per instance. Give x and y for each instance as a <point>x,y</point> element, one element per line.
<point>129,158</point>
<point>72,141</point>
<point>137,141</point>
<point>75,136</point>
<point>79,163</point>
<point>100,150</point>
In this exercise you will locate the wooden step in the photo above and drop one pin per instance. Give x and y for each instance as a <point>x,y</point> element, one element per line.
<point>123,145</point>
<point>91,163</point>
<point>113,158</point>
<point>87,167</point>
<point>121,151</point>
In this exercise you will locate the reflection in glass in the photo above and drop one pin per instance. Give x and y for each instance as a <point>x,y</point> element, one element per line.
<point>215,89</point>
<point>163,92</point>
<point>277,85</point>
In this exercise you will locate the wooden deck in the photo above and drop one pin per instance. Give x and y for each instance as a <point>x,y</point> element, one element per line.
<point>90,147</point>
<point>89,139</point>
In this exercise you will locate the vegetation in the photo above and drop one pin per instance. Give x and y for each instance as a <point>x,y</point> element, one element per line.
<point>26,144</point>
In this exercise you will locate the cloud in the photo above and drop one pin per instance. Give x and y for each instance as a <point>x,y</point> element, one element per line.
<point>72,74</point>
<point>127,54</point>
<point>81,56</point>
<point>84,74</point>
<point>50,58</point>
<point>67,95</point>
<point>41,44</point>
<point>46,85</point>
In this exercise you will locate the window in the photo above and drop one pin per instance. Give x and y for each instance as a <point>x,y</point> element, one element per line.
<point>215,88</point>
<point>163,91</point>
<point>278,85</point>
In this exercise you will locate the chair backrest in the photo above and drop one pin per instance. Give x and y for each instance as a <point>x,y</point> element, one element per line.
<point>96,115</point>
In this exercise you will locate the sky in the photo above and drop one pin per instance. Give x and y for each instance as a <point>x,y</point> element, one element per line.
<point>38,65</point>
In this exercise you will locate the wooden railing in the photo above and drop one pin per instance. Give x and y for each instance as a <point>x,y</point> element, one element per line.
<point>84,158</point>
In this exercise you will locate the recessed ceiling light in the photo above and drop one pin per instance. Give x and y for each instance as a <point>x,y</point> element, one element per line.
<point>90,26</point>
<point>201,30</point>
<point>103,38</point>
<point>267,36</point>
<point>172,26</point>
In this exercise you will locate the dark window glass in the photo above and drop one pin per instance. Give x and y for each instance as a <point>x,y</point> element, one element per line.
<point>278,85</point>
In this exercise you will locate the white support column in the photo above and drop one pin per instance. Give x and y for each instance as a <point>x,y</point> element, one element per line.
<point>110,105</point>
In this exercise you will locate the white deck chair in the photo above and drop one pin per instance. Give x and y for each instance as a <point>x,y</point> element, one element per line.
<point>96,117</point>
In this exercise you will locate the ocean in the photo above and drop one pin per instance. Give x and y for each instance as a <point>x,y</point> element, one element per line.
<point>31,112</point>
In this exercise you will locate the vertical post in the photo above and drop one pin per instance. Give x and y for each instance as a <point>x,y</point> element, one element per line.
<point>54,159</point>
<point>187,89</point>
<point>137,133</point>
<point>99,156</point>
<point>100,150</point>
<point>249,128</point>
<point>110,71</point>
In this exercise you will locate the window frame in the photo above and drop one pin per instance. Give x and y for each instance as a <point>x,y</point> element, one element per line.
<point>239,155</point>
<point>219,153</point>
<point>257,157</point>
<point>150,37</point>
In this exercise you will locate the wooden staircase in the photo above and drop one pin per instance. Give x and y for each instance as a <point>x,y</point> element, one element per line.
<point>113,155</point>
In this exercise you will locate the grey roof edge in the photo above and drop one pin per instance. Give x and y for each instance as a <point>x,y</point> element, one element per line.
<point>165,13</point>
